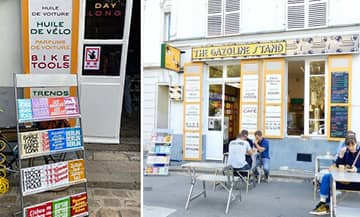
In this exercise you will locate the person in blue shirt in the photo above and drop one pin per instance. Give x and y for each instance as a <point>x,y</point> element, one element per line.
<point>342,143</point>
<point>262,146</point>
<point>349,157</point>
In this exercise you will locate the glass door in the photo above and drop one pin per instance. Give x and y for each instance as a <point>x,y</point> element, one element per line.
<point>214,141</point>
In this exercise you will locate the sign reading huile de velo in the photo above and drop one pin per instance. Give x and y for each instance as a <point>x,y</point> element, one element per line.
<point>239,50</point>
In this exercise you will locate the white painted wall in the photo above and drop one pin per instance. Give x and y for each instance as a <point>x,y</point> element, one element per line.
<point>260,15</point>
<point>189,19</point>
<point>152,78</point>
<point>10,41</point>
<point>152,32</point>
<point>342,12</point>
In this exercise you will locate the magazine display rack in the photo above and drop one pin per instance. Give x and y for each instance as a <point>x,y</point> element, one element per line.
<point>47,142</point>
<point>158,158</point>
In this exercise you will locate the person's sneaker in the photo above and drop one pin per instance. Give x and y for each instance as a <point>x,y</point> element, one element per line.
<point>320,209</point>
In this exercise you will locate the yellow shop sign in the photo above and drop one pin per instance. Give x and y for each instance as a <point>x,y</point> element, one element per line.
<point>239,50</point>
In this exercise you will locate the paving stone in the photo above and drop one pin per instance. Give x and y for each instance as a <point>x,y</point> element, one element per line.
<point>106,212</point>
<point>130,213</point>
<point>7,200</point>
<point>132,203</point>
<point>101,192</point>
<point>121,194</point>
<point>110,156</point>
<point>94,204</point>
<point>111,202</point>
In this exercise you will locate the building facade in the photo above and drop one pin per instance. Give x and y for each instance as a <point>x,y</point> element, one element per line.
<point>286,67</point>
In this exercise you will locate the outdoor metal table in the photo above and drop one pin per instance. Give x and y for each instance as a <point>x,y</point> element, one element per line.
<point>343,176</point>
<point>193,166</point>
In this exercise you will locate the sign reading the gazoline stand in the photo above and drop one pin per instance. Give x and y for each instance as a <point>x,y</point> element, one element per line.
<point>239,50</point>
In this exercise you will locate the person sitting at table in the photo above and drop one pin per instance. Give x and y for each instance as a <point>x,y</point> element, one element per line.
<point>262,146</point>
<point>238,148</point>
<point>349,159</point>
<point>342,143</point>
<point>248,157</point>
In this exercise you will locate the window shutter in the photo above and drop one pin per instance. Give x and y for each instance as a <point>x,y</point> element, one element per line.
<point>232,17</point>
<point>296,14</point>
<point>215,17</point>
<point>317,13</point>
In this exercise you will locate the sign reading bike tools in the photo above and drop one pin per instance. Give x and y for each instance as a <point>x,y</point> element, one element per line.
<point>48,36</point>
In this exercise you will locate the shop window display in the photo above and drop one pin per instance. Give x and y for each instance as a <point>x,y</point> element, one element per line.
<point>216,71</point>
<point>105,61</point>
<point>233,71</point>
<point>215,107</point>
<point>316,98</point>
<point>104,19</point>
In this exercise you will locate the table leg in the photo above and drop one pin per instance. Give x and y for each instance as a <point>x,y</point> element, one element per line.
<point>190,193</point>
<point>229,198</point>
<point>204,187</point>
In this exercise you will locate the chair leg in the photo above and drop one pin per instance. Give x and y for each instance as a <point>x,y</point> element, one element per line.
<point>204,188</point>
<point>229,198</point>
<point>248,182</point>
<point>190,193</point>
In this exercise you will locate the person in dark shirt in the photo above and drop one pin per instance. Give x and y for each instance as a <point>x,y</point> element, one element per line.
<point>349,158</point>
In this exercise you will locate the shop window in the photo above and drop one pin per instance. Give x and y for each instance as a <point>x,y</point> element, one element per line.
<point>102,60</point>
<point>233,71</point>
<point>317,98</point>
<point>306,95</point>
<point>167,21</point>
<point>216,71</point>
<point>215,107</point>
<point>306,13</point>
<point>105,19</point>
<point>223,17</point>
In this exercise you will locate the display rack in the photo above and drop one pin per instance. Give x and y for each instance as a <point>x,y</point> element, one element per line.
<point>158,158</point>
<point>41,143</point>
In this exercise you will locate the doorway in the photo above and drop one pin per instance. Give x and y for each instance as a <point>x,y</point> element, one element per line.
<point>162,119</point>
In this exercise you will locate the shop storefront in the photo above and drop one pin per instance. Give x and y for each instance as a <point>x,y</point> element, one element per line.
<point>298,91</point>
<point>85,37</point>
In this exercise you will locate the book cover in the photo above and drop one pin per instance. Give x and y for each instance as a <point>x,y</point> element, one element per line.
<point>57,139</point>
<point>57,106</point>
<point>57,174</point>
<point>30,143</point>
<point>33,179</point>
<point>71,105</point>
<point>24,110</point>
<point>76,170</point>
<point>61,207</point>
<point>79,204</point>
<point>45,142</point>
<point>40,108</point>
<point>40,210</point>
<point>73,138</point>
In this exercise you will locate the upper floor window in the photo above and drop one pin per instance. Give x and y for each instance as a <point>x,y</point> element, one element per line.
<point>167,21</point>
<point>223,17</point>
<point>307,13</point>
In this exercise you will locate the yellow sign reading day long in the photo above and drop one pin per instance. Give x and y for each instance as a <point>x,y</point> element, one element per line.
<point>239,50</point>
